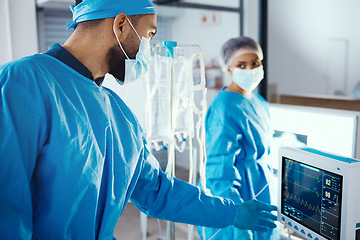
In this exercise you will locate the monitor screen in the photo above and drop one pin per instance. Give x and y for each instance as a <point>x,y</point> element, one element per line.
<point>312,197</point>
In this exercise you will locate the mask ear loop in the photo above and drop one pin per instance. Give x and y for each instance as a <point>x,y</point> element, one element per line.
<point>133,28</point>
<point>120,43</point>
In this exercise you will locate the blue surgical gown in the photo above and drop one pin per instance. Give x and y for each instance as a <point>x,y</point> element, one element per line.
<point>72,155</point>
<point>238,136</point>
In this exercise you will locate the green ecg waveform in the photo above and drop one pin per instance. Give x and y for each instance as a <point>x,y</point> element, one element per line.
<point>303,202</point>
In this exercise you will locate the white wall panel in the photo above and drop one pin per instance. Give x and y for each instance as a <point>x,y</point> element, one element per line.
<point>18,24</point>
<point>223,3</point>
<point>190,30</point>
<point>5,40</point>
<point>251,19</point>
<point>52,27</point>
<point>23,27</point>
<point>299,35</point>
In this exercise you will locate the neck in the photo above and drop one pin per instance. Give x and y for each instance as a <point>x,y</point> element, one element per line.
<point>90,48</point>
<point>233,87</point>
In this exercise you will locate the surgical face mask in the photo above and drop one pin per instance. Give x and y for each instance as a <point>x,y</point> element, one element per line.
<point>135,68</point>
<point>248,79</point>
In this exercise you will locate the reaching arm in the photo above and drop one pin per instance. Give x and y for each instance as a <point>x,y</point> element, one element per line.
<point>175,200</point>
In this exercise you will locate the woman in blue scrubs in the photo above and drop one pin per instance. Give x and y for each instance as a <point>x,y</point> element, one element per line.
<point>238,135</point>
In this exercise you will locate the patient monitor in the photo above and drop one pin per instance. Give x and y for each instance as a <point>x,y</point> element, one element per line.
<point>319,194</point>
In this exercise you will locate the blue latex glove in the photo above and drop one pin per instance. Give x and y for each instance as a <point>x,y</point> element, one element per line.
<point>255,215</point>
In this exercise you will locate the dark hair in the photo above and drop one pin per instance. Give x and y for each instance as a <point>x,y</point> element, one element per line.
<point>77,2</point>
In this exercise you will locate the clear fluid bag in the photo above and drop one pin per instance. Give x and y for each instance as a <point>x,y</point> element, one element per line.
<point>182,98</point>
<point>158,102</point>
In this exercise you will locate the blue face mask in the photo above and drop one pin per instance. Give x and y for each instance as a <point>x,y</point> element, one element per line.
<point>136,68</point>
<point>248,79</point>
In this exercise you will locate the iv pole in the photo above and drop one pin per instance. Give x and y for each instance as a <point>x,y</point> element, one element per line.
<point>178,134</point>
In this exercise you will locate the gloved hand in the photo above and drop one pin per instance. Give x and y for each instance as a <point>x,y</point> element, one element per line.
<point>255,215</point>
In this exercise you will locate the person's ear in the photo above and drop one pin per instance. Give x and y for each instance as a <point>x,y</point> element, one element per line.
<point>119,26</point>
<point>229,72</point>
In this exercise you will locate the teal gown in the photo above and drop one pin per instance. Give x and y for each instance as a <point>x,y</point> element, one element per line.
<point>72,155</point>
<point>238,137</point>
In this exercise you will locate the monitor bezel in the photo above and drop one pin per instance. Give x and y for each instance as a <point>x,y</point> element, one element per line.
<point>340,196</point>
<point>350,212</point>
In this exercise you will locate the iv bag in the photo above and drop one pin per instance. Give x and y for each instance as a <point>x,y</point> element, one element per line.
<point>182,99</point>
<point>158,101</point>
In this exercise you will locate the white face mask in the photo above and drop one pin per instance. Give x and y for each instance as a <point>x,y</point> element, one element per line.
<point>135,68</point>
<point>248,79</point>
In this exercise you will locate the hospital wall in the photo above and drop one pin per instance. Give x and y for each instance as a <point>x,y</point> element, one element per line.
<point>191,29</point>
<point>18,29</point>
<point>251,19</point>
<point>313,46</point>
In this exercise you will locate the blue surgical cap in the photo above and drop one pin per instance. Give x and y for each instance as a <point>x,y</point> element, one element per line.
<point>99,9</point>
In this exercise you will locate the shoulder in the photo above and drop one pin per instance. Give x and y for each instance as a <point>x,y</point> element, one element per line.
<point>17,73</point>
<point>25,62</point>
<point>226,99</point>
<point>225,109</point>
<point>24,68</point>
<point>19,80</point>
<point>30,73</point>
<point>29,77</point>
<point>226,102</point>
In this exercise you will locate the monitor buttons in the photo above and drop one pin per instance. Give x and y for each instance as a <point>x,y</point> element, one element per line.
<point>296,227</point>
<point>309,235</point>
<point>302,231</point>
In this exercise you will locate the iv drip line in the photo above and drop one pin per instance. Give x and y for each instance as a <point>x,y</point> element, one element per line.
<point>254,198</point>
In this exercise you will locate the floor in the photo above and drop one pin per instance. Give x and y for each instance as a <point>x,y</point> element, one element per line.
<point>128,226</point>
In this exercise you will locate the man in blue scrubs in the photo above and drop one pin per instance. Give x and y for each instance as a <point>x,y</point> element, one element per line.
<point>71,152</point>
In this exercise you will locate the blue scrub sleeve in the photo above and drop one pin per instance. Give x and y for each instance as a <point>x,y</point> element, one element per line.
<point>22,126</point>
<point>223,136</point>
<point>175,200</point>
